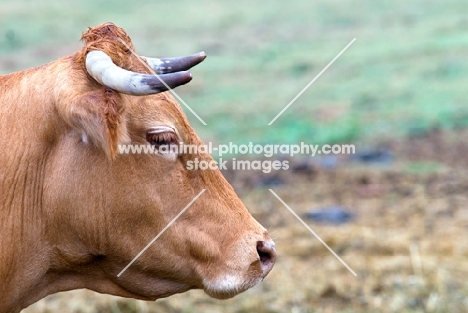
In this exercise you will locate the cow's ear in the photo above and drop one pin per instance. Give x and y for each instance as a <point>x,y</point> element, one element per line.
<point>100,118</point>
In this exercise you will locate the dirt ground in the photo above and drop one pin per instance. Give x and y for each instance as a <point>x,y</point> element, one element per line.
<point>406,243</point>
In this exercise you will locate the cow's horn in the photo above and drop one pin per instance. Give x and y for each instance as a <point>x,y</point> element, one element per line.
<point>171,65</point>
<point>100,66</point>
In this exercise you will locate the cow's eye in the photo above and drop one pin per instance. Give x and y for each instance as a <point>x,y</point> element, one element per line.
<point>162,138</point>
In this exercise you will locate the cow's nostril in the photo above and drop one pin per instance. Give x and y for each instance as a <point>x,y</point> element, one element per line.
<point>266,253</point>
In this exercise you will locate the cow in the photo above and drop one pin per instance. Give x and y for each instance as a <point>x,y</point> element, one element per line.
<point>74,212</point>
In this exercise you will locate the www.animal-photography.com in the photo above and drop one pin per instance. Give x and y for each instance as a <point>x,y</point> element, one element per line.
<point>233,157</point>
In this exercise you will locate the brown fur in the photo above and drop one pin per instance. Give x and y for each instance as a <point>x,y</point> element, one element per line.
<point>108,38</point>
<point>113,116</point>
<point>74,213</point>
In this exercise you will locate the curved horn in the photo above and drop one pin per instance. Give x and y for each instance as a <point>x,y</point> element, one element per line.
<point>100,66</point>
<point>171,65</point>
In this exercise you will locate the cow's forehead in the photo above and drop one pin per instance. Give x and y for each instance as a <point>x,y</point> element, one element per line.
<point>162,109</point>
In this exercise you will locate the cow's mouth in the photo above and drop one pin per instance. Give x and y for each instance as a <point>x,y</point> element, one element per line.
<point>230,285</point>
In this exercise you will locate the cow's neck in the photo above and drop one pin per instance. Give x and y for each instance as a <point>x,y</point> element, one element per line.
<point>23,156</point>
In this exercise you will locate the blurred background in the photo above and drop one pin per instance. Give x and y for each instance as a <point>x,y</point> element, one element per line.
<point>396,211</point>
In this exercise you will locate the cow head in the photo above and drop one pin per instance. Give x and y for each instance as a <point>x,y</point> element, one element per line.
<point>103,208</point>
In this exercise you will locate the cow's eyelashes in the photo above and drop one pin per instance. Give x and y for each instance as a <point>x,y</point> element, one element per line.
<point>162,138</point>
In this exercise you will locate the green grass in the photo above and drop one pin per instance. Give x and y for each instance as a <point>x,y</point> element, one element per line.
<point>422,167</point>
<point>407,71</point>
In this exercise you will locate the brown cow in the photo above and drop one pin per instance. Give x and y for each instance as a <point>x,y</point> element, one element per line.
<point>74,212</point>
